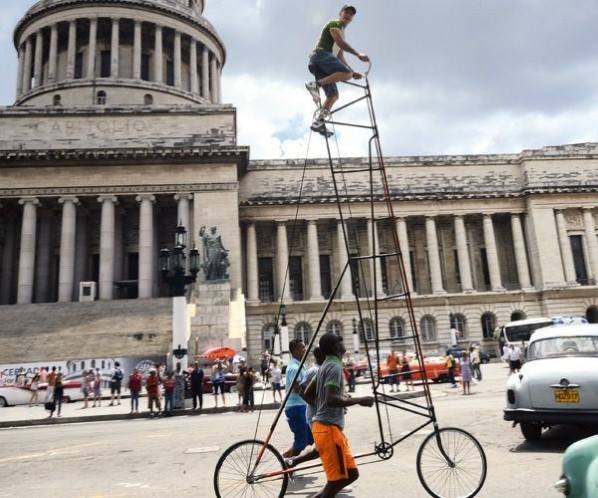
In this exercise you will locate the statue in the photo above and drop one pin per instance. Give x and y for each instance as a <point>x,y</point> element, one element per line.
<point>215,257</point>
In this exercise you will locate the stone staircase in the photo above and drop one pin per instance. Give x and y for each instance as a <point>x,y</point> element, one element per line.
<point>101,329</point>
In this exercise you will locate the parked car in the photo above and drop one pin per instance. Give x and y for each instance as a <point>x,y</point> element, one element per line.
<point>558,384</point>
<point>435,367</point>
<point>580,470</point>
<point>457,352</point>
<point>15,394</point>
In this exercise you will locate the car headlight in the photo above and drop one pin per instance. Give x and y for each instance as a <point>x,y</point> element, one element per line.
<point>511,396</point>
<point>562,485</point>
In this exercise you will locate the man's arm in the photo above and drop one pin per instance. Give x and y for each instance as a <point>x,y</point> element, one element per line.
<point>337,35</point>
<point>309,395</point>
<point>335,399</point>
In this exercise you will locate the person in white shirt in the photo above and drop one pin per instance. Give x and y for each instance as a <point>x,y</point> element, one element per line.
<point>514,357</point>
<point>276,376</point>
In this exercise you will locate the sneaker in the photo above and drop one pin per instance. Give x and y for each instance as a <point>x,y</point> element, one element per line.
<point>347,489</point>
<point>319,127</point>
<point>314,90</point>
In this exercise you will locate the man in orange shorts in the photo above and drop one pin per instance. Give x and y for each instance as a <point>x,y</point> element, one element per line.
<point>329,420</point>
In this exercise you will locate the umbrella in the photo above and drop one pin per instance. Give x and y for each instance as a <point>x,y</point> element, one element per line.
<point>218,353</point>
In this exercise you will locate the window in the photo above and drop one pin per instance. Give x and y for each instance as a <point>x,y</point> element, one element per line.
<point>105,64</point>
<point>268,337</point>
<point>103,364</point>
<point>57,100</point>
<point>266,280</point>
<point>485,268</point>
<point>413,271</point>
<point>303,332</point>
<point>518,315</point>
<point>101,97</point>
<point>459,322</point>
<point>325,276</point>
<point>579,260</point>
<point>82,365</point>
<point>428,328</point>
<point>334,327</point>
<point>397,328</point>
<point>93,363</point>
<point>384,271</point>
<point>170,73</point>
<point>366,329</point>
<point>354,267</point>
<point>148,99</point>
<point>488,325</point>
<point>592,314</point>
<point>296,278</point>
<point>133,266</point>
<point>457,268</point>
<point>145,67</point>
<point>79,66</point>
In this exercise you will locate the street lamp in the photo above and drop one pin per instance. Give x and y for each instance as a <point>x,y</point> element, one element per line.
<point>355,341</point>
<point>284,335</point>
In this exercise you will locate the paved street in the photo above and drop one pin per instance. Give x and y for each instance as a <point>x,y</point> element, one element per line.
<point>177,456</point>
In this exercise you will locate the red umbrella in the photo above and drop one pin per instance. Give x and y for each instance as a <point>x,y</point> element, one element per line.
<point>218,353</point>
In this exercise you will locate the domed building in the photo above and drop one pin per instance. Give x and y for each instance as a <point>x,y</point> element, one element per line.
<point>119,132</point>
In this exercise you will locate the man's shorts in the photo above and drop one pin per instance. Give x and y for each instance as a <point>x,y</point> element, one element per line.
<point>276,386</point>
<point>334,451</point>
<point>219,386</point>
<point>297,418</point>
<point>322,64</point>
<point>115,387</point>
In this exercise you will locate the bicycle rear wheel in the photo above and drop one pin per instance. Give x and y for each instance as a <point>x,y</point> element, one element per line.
<point>235,476</point>
<point>462,475</point>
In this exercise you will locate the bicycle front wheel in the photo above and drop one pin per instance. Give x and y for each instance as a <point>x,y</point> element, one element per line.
<point>237,475</point>
<point>451,464</point>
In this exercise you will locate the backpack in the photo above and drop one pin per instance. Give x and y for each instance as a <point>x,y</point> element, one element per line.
<point>118,375</point>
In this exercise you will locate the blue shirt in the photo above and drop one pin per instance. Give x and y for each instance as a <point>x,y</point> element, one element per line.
<point>292,368</point>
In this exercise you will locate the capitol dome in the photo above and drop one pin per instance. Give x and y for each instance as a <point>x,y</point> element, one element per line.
<point>117,52</point>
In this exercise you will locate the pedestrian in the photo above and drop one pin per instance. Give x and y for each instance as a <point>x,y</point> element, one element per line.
<point>329,420</point>
<point>406,372</point>
<point>168,385</point>
<point>296,407</point>
<point>34,387</point>
<point>197,378</point>
<point>449,363</point>
<point>51,383</point>
<point>466,372</point>
<point>218,381</point>
<point>135,382</point>
<point>455,333</point>
<point>152,385</point>
<point>350,366</point>
<point>116,379</point>
<point>239,385</point>
<point>249,379</point>
<point>392,362</point>
<point>276,377</point>
<point>329,68</point>
<point>58,394</point>
<point>514,357</point>
<point>178,396</point>
<point>97,388</point>
<point>265,366</point>
<point>43,375</point>
<point>474,354</point>
<point>85,387</point>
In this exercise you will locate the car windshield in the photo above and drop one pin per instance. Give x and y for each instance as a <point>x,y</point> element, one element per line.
<point>518,333</point>
<point>563,346</point>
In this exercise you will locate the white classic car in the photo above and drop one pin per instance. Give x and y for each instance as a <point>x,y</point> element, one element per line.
<point>14,394</point>
<point>558,384</point>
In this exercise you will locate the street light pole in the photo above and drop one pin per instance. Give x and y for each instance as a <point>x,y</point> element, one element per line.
<point>355,341</point>
<point>284,336</point>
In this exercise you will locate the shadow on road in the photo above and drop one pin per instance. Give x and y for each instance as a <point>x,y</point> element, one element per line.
<point>556,439</point>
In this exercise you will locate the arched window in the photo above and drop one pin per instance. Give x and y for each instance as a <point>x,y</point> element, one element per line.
<point>366,330</point>
<point>57,100</point>
<point>93,363</point>
<point>459,322</point>
<point>82,365</point>
<point>592,314</point>
<point>268,337</point>
<point>488,325</point>
<point>428,328</point>
<point>518,315</point>
<point>103,364</point>
<point>397,328</point>
<point>334,327</point>
<point>148,99</point>
<point>101,97</point>
<point>303,332</point>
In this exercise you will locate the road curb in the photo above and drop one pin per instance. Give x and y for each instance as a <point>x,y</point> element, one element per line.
<point>122,416</point>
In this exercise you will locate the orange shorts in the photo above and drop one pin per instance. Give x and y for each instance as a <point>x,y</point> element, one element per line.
<point>334,451</point>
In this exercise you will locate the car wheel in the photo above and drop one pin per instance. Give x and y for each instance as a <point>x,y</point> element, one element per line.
<point>531,431</point>
<point>3,402</point>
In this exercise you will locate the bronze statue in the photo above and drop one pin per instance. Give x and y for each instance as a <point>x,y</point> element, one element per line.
<point>215,256</point>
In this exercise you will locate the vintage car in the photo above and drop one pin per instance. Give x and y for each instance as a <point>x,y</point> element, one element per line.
<point>558,384</point>
<point>580,470</point>
<point>435,367</point>
<point>15,394</point>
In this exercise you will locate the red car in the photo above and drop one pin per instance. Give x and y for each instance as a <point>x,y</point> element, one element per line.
<point>435,367</point>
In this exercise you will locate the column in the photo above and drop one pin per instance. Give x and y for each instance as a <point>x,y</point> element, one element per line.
<point>463,255</point>
<point>565,244</point>
<point>8,256</point>
<point>346,288</point>
<point>252,264</point>
<point>43,253</point>
<point>82,250</point>
<point>205,73</point>
<point>492,254</point>
<point>375,263</point>
<point>119,252</point>
<point>591,244</point>
<point>20,72</point>
<point>158,62</point>
<point>53,57</point>
<point>214,79</point>
<point>146,245</point>
<point>520,253</point>
<point>91,55</point>
<point>313,258</point>
<point>115,47</point>
<point>27,251</point>
<point>107,246</point>
<point>434,256</point>
<point>71,50</point>
<point>137,51</point>
<point>282,260</point>
<point>37,64</point>
<point>178,78</point>
<point>66,274</point>
<point>193,77</point>
<point>405,253</point>
<point>26,85</point>
<point>219,83</point>
<point>183,217</point>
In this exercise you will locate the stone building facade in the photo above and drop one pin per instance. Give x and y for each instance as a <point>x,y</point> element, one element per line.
<point>118,132</point>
